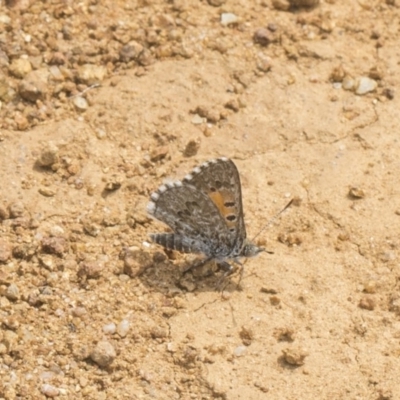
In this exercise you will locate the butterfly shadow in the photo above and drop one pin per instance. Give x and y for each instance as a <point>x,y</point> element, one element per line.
<point>170,275</point>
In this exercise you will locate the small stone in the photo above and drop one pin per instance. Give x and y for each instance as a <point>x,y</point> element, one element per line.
<point>282,5</point>
<point>356,193</point>
<point>4,19</point>
<point>216,3</point>
<point>20,67</point>
<point>263,37</point>
<point>228,19</point>
<point>338,74</point>
<point>159,153</point>
<point>54,245</point>
<point>367,303</point>
<point>22,122</point>
<point>47,192</point>
<point>16,210</point>
<point>247,335</point>
<point>114,183</point>
<point>348,83</point>
<point>34,86</point>
<point>135,262</point>
<point>240,351</point>
<point>4,213</point>
<point>192,147</point>
<point>304,3</point>
<point>130,51</point>
<point>388,93</point>
<point>49,390</point>
<point>78,312</point>
<point>90,269</point>
<point>123,328</point>
<point>12,292</point>
<point>197,120</point>
<point>370,287</point>
<point>211,114</point>
<point>233,105</point>
<point>103,354</point>
<point>110,328</point>
<point>91,228</point>
<point>5,251</point>
<point>80,103</point>
<point>90,74</point>
<point>294,355</point>
<point>365,85</point>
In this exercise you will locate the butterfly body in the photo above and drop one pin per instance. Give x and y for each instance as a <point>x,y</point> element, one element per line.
<point>205,213</point>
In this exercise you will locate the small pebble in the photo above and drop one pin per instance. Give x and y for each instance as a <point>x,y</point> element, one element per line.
<point>80,103</point>
<point>90,74</point>
<point>5,251</point>
<point>304,3</point>
<point>16,210</point>
<point>47,192</point>
<point>54,245</point>
<point>228,18</point>
<point>216,3</point>
<point>247,335</point>
<point>123,328</point>
<point>197,120</point>
<point>356,193</point>
<point>367,303</point>
<point>263,37</point>
<point>49,390</point>
<point>110,328</point>
<point>348,83</point>
<point>192,147</point>
<point>20,67</point>
<point>365,85</point>
<point>49,155</point>
<point>103,354</point>
<point>294,355</point>
<point>12,292</point>
<point>90,269</point>
<point>240,351</point>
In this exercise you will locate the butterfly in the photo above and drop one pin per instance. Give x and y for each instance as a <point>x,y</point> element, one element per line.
<point>205,213</point>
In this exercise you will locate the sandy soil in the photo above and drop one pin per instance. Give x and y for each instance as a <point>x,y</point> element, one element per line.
<point>103,101</point>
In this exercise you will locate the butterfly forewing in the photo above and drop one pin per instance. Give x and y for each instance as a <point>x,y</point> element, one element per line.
<point>204,210</point>
<point>220,180</point>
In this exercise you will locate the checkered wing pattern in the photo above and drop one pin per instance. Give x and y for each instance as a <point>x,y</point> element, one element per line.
<point>204,210</point>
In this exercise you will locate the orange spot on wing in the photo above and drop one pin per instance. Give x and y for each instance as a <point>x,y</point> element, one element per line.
<point>219,199</point>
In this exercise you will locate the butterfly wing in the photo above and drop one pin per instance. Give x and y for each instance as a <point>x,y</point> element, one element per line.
<point>219,180</point>
<point>192,216</point>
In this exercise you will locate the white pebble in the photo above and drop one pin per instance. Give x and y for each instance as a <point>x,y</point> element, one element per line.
<point>240,351</point>
<point>365,85</point>
<point>109,328</point>
<point>228,18</point>
<point>49,390</point>
<point>123,328</point>
<point>80,103</point>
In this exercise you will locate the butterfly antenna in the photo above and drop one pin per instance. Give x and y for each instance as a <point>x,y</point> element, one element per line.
<point>273,219</point>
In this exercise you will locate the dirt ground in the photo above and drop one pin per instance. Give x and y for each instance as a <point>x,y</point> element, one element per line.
<point>102,102</point>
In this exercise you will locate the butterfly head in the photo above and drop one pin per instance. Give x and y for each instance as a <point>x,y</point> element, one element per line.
<point>250,249</point>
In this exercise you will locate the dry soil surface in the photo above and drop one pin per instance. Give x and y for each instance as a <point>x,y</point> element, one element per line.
<point>102,102</point>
